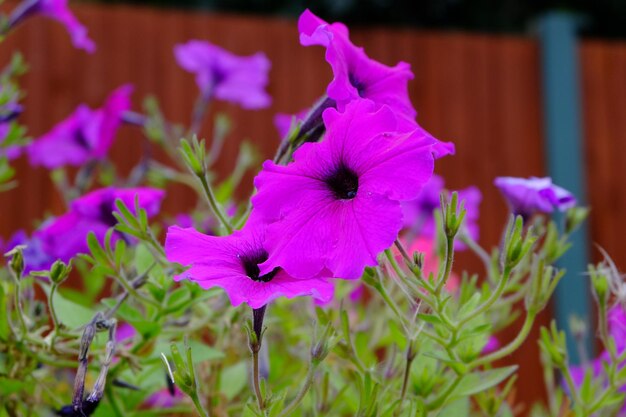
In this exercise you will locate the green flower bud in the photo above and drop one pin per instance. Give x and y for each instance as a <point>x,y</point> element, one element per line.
<point>574,218</point>
<point>17,259</point>
<point>59,271</point>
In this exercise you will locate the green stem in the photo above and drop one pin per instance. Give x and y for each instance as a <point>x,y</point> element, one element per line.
<point>310,377</point>
<point>438,402</point>
<point>199,407</point>
<point>18,303</point>
<point>448,266</point>
<point>214,204</point>
<point>131,290</point>
<point>256,379</point>
<point>511,347</point>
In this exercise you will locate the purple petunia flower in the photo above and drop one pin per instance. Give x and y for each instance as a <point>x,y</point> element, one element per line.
<point>66,236</point>
<point>225,76</point>
<point>232,263</point>
<point>35,258</point>
<point>59,11</point>
<point>337,205</point>
<point>419,216</point>
<point>356,76</point>
<point>526,197</point>
<point>85,135</point>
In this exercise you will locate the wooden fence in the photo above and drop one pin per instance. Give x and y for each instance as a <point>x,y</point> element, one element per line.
<point>480,91</point>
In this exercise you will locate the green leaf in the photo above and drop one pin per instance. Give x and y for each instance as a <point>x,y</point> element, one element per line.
<point>429,318</point>
<point>479,381</point>
<point>71,314</point>
<point>11,386</point>
<point>233,380</point>
<point>457,408</point>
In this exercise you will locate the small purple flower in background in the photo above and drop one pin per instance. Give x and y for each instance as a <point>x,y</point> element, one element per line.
<point>337,205</point>
<point>85,135</point>
<point>285,122</point>
<point>59,11</point>
<point>225,76</point>
<point>232,263</point>
<point>163,398</point>
<point>492,345</point>
<point>66,236</point>
<point>35,258</point>
<point>419,218</point>
<point>526,197</point>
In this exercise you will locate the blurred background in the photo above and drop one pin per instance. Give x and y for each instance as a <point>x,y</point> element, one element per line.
<point>523,88</point>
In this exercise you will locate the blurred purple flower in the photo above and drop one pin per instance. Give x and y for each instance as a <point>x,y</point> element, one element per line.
<point>337,205</point>
<point>284,122</point>
<point>59,11</point>
<point>492,345</point>
<point>85,135</point>
<point>419,216</point>
<point>66,236</point>
<point>225,76</point>
<point>232,263</point>
<point>526,197</point>
<point>163,398</point>
<point>35,258</point>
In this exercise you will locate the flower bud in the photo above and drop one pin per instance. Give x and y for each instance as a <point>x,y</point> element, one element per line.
<point>600,284</point>
<point>17,259</point>
<point>59,271</point>
<point>517,246</point>
<point>453,214</point>
<point>323,346</point>
<point>552,343</point>
<point>574,218</point>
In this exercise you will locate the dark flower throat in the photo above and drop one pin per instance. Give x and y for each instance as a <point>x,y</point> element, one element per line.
<point>251,266</point>
<point>344,183</point>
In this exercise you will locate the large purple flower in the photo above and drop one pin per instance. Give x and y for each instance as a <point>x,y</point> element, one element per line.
<point>529,196</point>
<point>85,135</point>
<point>232,263</point>
<point>356,76</point>
<point>59,11</point>
<point>225,76</point>
<point>66,236</point>
<point>419,213</point>
<point>337,205</point>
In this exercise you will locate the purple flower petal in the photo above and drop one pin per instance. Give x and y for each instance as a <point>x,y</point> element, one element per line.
<point>231,262</point>
<point>59,11</point>
<point>225,76</point>
<point>85,135</point>
<point>336,206</point>
<point>529,196</point>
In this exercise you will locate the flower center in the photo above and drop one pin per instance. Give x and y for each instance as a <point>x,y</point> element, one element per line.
<point>251,266</point>
<point>81,140</point>
<point>106,213</point>
<point>360,86</point>
<point>344,183</point>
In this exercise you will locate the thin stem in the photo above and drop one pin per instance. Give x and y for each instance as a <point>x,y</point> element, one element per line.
<point>132,291</point>
<point>199,407</point>
<point>214,204</point>
<point>18,302</point>
<point>256,380</point>
<point>448,265</point>
<point>440,400</point>
<point>410,356</point>
<point>199,111</point>
<point>511,347</point>
<point>310,377</point>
